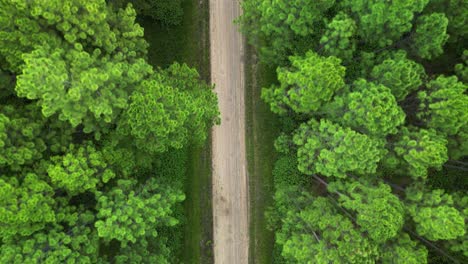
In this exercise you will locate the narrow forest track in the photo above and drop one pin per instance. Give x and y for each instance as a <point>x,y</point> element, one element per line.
<point>230,180</point>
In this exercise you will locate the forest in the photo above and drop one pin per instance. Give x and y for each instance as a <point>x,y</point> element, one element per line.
<point>106,108</point>
<point>371,103</point>
<point>93,133</point>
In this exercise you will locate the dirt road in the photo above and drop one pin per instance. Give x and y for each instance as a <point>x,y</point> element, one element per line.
<point>230,183</point>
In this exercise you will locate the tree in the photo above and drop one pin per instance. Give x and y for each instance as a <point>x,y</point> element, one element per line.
<point>75,242</point>
<point>382,23</point>
<point>20,141</point>
<point>26,206</point>
<point>146,249</point>
<point>461,243</point>
<point>443,105</point>
<point>169,12</point>
<point>430,35</point>
<point>339,39</point>
<point>369,108</point>
<point>400,74</point>
<point>165,110</point>
<point>129,212</point>
<point>461,69</point>
<point>434,214</point>
<point>26,137</point>
<point>331,150</point>
<point>403,250</point>
<point>83,168</point>
<point>378,211</point>
<point>414,151</point>
<point>310,82</point>
<point>456,12</point>
<point>458,145</point>
<point>96,28</point>
<point>312,231</point>
<point>81,87</point>
<point>276,27</point>
<point>81,65</point>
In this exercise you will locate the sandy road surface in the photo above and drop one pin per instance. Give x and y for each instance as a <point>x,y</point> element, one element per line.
<point>230,184</point>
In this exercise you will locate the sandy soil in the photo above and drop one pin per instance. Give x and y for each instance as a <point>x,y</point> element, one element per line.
<point>230,182</point>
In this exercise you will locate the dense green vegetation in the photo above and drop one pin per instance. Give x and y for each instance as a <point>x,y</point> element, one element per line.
<point>92,136</point>
<point>372,153</point>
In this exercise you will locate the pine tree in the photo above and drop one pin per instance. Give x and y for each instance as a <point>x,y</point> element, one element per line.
<point>443,105</point>
<point>434,214</point>
<point>306,85</point>
<point>130,211</point>
<point>369,108</point>
<point>331,150</point>
<point>400,74</point>
<point>378,211</point>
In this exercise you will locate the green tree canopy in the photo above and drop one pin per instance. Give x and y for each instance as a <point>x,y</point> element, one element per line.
<point>75,242</point>
<point>83,168</point>
<point>434,213</point>
<point>378,212</point>
<point>400,74</point>
<point>130,211</point>
<point>339,39</point>
<point>430,35</point>
<point>91,26</point>
<point>331,150</point>
<point>169,12</point>
<point>306,85</point>
<point>382,23</point>
<point>443,105</point>
<point>414,151</point>
<point>275,26</point>
<point>166,109</point>
<point>312,231</point>
<point>403,250</point>
<point>26,206</point>
<point>369,108</point>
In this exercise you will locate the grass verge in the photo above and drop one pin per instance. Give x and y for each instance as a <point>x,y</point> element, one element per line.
<point>262,128</point>
<point>189,43</point>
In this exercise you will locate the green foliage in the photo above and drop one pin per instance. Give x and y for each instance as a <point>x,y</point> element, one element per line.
<point>20,141</point>
<point>130,211</point>
<point>305,86</point>
<point>443,105</point>
<point>389,111</point>
<point>414,151</point>
<point>74,82</point>
<point>434,213</point>
<point>25,207</point>
<point>78,244</point>
<point>275,26</point>
<point>83,168</point>
<point>166,109</point>
<point>458,145</point>
<point>285,173</point>
<point>145,250</point>
<point>96,28</point>
<point>369,108</point>
<point>430,35</point>
<point>382,23</point>
<point>312,231</point>
<point>339,39</point>
<point>462,68</point>
<point>169,12</point>
<point>378,211</point>
<point>403,250</point>
<point>461,244</point>
<point>400,74</point>
<point>332,150</point>
<point>83,88</point>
